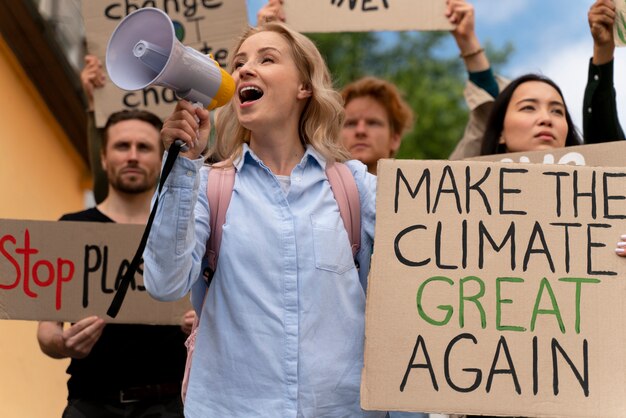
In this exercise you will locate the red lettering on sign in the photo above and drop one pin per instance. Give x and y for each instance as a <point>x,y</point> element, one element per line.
<point>42,272</point>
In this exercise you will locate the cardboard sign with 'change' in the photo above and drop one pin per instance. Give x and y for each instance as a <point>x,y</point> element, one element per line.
<point>209,26</point>
<point>495,289</point>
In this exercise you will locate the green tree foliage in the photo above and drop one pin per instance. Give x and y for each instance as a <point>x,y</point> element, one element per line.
<point>432,81</point>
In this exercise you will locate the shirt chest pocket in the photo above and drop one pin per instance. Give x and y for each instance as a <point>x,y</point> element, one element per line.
<point>331,245</point>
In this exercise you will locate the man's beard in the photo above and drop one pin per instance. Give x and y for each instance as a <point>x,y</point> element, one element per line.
<point>135,184</point>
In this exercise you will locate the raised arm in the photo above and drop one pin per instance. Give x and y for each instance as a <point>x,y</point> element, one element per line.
<point>483,87</point>
<point>600,121</point>
<point>461,14</point>
<point>177,241</point>
<point>92,77</point>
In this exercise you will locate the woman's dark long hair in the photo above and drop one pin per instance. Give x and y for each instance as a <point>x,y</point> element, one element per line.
<point>491,139</point>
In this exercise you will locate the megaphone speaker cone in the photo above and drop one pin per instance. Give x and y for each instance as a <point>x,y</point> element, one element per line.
<point>150,26</point>
<point>143,51</point>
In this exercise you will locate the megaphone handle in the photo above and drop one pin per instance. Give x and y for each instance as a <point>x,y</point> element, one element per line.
<point>180,144</point>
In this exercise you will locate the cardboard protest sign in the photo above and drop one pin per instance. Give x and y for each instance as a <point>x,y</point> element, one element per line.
<point>608,154</point>
<point>66,271</point>
<point>495,289</point>
<point>210,26</point>
<point>366,15</point>
<point>619,28</point>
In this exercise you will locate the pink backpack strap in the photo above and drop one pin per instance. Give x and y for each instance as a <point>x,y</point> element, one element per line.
<point>219,190</point>
<point>346,194</point>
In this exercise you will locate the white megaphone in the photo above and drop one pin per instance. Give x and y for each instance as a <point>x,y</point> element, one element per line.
<point>143,51</point>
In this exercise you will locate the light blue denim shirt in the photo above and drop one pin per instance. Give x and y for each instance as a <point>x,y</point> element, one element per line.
<point>281,333</point>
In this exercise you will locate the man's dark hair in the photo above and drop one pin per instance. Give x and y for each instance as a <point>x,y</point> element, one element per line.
<point>134,114</point>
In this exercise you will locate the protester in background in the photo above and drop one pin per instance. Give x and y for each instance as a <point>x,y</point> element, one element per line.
<point>282,327</point>
<point>526,99</point>
<point>529,115</point>
<point>121,370</point>
<point>600,121</point>
<point>376,119</point>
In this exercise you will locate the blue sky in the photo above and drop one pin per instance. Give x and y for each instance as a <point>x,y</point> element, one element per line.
<point>549,36</point>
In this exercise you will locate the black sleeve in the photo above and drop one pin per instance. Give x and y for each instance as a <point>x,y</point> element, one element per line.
<point>600,121</point>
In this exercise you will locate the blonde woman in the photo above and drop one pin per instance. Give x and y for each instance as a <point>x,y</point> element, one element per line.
<point>281,331</point>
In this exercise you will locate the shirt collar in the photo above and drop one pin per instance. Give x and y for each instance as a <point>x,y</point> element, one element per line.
<point>249,156</point>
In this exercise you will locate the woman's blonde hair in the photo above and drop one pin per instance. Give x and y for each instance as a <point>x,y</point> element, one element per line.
<point>322,117</point>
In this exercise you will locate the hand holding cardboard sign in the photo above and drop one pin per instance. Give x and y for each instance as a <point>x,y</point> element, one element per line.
<point>621,246</point>
<point>75,341</point>
<point>461,14</point>
<point>187,321</point>
<point>92,77</point>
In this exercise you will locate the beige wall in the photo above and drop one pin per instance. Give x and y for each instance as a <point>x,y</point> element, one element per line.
<point>41,177</point>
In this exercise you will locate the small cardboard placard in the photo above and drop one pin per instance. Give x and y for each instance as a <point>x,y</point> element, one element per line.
<point>66,271</point>
<point>619,28</point>
<point>210,26</point>
<point>366,15</point>
<point>495,289</point>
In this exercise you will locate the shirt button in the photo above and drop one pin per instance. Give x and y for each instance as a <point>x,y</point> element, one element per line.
<point>596,77</point>
<point>298,179</point>
<point>588,110</point>
<point>189,173</point>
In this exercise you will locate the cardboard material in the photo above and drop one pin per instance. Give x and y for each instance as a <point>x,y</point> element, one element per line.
<point>495,289</point>
<point>366,15</point>
<point>608,154</point>
<point>619,28</point>
<point>66,271</point>
<point>210,26</point>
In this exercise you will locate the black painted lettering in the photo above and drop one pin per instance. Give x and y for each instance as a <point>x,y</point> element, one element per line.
<point>484,233</point>
<point>538,232</point>
<point>446,365</point>
<point>419,342</point>
<point>591,194</point>
<point>535,367</point>
<point>424,179</point>
<point>91,265</point>
<point>503,191</point>
<point>452,189</point>
<point>608,196</point>
<point>396,244</point>
<point>438,241</point>
<point>476,187</point>
<point>502,346</point>
<point>566,227</point>
<point>590,245</point>
<point>583,379</point>
<point>557,175</point>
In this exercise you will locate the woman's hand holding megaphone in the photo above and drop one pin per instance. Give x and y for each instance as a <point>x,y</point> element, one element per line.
<point>190,124</point>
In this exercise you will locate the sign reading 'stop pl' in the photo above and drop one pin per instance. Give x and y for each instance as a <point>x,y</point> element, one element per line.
<point>209,26</point>
<point>366,15</point>
<point>66,271</point>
